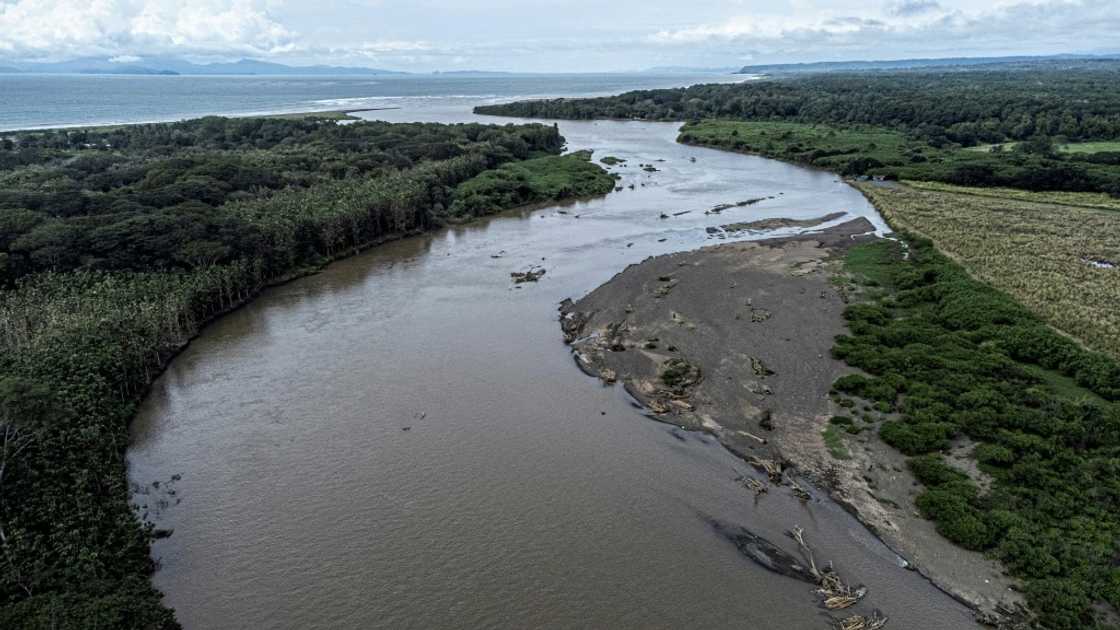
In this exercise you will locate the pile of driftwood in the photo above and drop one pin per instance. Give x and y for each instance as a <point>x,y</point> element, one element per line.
<point>532,275</point>
<point>834,593</point>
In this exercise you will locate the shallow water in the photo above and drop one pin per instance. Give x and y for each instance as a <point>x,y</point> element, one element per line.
<point>524,494</point>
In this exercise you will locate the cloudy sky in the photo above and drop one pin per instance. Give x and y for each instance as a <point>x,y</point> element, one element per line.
<point>552,35</point>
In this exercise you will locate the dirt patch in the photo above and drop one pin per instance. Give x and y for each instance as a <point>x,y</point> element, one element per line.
<point>735,340</point>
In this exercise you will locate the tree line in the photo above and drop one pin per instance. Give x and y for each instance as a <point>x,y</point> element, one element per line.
<point>1079,102</point>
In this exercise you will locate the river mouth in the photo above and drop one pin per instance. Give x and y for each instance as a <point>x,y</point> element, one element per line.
<point>523,493</point>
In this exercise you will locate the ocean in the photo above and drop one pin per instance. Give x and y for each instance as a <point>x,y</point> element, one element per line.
<point>34,101</point>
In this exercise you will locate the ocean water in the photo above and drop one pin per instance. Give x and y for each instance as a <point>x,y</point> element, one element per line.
<point>31,101</point>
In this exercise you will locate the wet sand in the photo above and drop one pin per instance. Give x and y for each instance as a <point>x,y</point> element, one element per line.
<point>734,340</point>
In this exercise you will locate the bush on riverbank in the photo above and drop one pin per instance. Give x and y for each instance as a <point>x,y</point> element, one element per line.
<point>959,359</point>
<point>93,317</point>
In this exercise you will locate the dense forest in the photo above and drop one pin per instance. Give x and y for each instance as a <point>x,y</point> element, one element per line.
<point>199,193</point>
<point>936,113</point>
<point>946,358</point>
<point>1079,102</point>
<point>117,245</point>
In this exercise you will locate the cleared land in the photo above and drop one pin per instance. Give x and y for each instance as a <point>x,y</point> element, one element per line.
<point>1059,260</point>
<point>1072,147</point>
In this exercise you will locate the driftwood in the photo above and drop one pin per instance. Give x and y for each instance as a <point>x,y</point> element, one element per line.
<point>768,466</point>
<point>835,594</point>
<point>861,622</point>
<point>527,276</point>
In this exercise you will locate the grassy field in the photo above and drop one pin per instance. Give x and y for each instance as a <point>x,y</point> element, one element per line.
<point>1072,147</point>
<point>1099,201</point>
<point>1025,244</point>
<point>1090,147</point>
<point>819,145</point>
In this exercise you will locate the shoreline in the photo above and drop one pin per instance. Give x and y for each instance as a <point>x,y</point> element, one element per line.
<point>330,114</point>
<point>722,340</point>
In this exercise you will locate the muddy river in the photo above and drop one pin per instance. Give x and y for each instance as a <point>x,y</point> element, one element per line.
<point>404,441</point>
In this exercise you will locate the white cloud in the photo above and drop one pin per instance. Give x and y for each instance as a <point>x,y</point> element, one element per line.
<point>551,34</point>
<point>910,27</point>
<point>909,8</point>
<point>67,28</point>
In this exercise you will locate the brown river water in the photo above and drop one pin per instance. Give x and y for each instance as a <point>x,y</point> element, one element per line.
<point>523,494</point>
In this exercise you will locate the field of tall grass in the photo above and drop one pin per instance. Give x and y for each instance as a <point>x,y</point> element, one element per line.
<point>1059,259</point>
<point>1101,201</point>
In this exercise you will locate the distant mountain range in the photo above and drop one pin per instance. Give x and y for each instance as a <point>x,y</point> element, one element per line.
<point>173,66</point>
<point>903,64</point>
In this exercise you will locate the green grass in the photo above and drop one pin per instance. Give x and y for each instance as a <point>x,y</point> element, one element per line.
<point>820,145</point>
<point>1090,147</point>
<point>870,263</point>
<point>834,441</point>
<point>1064,386</point>
<point>1071,147</point>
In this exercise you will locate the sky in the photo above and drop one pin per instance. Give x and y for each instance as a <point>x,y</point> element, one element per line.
<point>551,35</point>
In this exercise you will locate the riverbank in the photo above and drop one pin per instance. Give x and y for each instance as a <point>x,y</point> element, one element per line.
<point>735,340</point>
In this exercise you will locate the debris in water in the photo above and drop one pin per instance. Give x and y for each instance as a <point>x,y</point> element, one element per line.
<point>860,622</point>
<point>532,275</point>
<point>759,368</point>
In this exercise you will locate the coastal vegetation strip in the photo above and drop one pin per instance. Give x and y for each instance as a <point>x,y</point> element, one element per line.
<point>1061,261</point>
<point>117,246</point>
<point>954,358</point>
